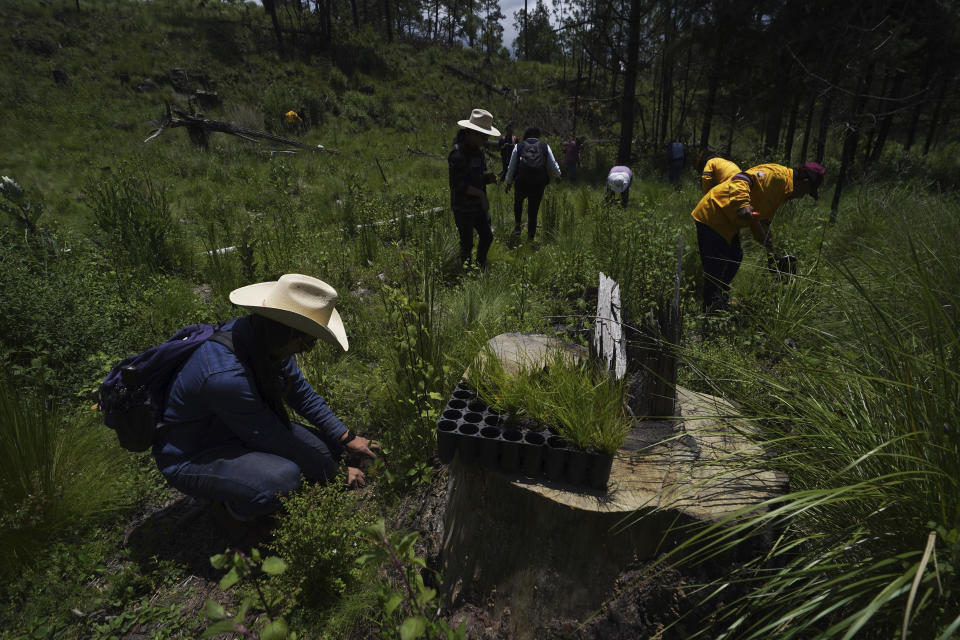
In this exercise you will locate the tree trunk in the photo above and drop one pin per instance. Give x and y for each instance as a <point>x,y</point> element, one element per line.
<point>937,109</point>
<point>771,145</point>
<point>733,125</point>
<point>791,132</point>
<point>388,21</point>
<point>714,84</point>
<point>886,122</point>
<point>629,84</point>
<point>271,7</point>
<point>824,127</point>
<point>546,550</point>
<point>811,103</point>
<point>850,139</point>
<point>526,32</point>
<point>918,109</point>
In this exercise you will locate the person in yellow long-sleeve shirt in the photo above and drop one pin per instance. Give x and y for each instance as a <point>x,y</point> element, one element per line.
<point>716,170</point>
<point>751,199</point>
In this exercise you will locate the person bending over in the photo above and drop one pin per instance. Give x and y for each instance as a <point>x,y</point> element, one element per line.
<point>751,199</point>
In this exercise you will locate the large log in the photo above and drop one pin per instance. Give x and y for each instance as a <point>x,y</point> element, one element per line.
<point>536,550</point>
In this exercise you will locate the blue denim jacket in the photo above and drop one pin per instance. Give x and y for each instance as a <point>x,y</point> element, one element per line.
<point>213,402</point>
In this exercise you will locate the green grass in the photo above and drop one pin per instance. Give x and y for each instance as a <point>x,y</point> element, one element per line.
<point>860,412</point>
<point>850,368</point>
<point>56,470</point>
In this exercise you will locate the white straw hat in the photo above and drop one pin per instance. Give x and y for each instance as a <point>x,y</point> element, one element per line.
<point>480,120</point>
<point>298,301</point>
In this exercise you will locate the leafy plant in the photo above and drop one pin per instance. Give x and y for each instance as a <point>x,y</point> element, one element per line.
<point>22,209</point>
<point>408,604</point>
<point>421,374</point>
<point>319,538</point>
<point>251,568</point>
<point>132,212</point>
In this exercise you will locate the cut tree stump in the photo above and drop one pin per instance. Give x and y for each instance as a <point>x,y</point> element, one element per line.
<point>536,551</point>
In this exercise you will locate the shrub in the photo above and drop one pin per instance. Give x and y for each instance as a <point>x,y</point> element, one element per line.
<point>319,537</point>
<point>132,213</point>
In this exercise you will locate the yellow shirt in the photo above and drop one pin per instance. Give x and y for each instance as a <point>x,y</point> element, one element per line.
<point>771,185</point>
<point>717,170</point>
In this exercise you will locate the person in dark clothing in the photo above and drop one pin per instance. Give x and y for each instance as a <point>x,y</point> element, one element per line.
<point>531,165</point>
<point>505,144</point>
<point>571,158</point>
<point>676,158</point>
<point>227,436</point>
<point>468,185</point>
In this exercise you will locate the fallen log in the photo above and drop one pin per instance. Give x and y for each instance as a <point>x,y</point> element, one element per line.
<point>200,128</point>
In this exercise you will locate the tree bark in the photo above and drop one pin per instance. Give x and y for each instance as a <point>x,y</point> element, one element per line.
<point>886,122</point>
<point>824,127</point>
<point>778,97</point>
<point>666,78</point>
<point>629,85</point>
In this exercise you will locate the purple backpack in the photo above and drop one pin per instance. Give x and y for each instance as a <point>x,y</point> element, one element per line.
<point>133,395</point>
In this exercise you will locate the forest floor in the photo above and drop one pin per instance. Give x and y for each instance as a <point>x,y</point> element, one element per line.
<point>186,532</point>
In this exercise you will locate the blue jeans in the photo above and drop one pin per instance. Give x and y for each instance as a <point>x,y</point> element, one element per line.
<point>251,481</point>
<point>720,264</point>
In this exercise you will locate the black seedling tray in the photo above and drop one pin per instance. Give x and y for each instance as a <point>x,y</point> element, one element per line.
<point>475,432</point>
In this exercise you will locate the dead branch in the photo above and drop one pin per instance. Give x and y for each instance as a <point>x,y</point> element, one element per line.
<point>200,129</point>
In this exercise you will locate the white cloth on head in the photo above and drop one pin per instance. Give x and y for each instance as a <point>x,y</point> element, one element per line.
<point>618,181</point>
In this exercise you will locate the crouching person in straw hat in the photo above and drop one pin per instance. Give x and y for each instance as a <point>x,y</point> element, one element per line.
<point>468,185</point>
<point>227,435</point>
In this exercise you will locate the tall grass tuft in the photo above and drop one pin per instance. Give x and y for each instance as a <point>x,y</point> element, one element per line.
<point>572,395</point>
<point>53,473</point>
<point>133,214</point>
<point>865,421</point>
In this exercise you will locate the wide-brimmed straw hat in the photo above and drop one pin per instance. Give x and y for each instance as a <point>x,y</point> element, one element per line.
<point>480,120</point>
<point>298,301</point>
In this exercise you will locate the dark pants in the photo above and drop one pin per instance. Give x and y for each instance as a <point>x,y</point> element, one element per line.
<point>533,194</point>
<point>467,222</point>
<point>251,481</point>
<point>674,169</point>
<point>720,263</point>
<point>611,196</point>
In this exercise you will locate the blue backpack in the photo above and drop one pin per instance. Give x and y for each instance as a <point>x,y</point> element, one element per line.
<point>133,395</point>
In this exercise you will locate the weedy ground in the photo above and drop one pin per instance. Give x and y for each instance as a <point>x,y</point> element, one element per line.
<point>849,367</point>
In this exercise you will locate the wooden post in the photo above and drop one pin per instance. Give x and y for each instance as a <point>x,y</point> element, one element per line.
<point>608,342</point>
